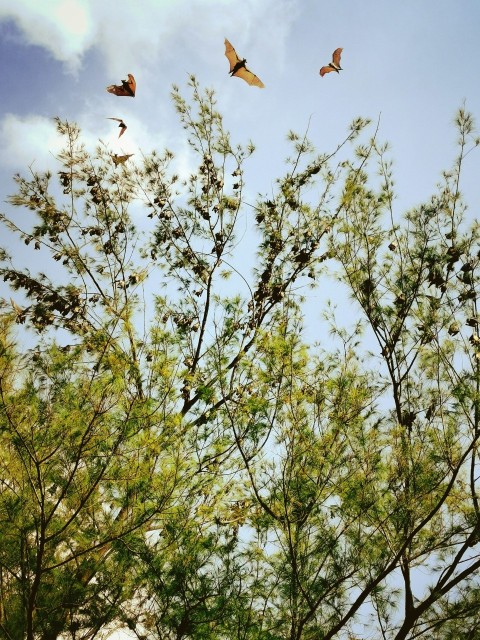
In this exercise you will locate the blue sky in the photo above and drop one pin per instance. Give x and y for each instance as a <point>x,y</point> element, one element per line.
<point>414,61</point>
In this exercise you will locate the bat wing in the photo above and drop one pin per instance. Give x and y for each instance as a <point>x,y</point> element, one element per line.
<point>337,54</point>
<point>117,90</point>
<point>249,77</point>
<point>325,70</point>
<point>127,88</point>
<point>122,125</point>
<point>121,159</point>
<point>231,55</point>
<point>132,85</point>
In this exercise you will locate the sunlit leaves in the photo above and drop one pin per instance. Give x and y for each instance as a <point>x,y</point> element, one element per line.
<point>177,459</point>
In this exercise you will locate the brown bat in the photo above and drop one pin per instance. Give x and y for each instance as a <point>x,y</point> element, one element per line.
<point>334,64</point>
<point>122,125</point>
<point>238,68</point>
<point>121,159</point>
<point>127,88</point>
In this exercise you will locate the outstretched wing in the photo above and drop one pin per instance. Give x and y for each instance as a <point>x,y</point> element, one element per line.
<point>121,159</point>
<point>122,125</point>
<point>249,77</point>
<point>127,88</point>
<point>231,55</point>
<point>325,70</point>
<point>241,70</point>
<point>336,57</point>
<point>117,90</point>
<point>132,85</point>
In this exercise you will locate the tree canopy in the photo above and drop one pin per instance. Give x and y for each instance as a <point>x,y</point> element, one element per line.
<point>178,458</point>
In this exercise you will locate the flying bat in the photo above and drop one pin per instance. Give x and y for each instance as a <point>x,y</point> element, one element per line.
<point>121,159</point>
<point>122,125</point>
<point>334,64</point>
<point>127,88</point>
<point>238,68</point>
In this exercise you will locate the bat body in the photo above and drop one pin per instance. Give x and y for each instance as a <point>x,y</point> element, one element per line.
<point>127,88</point>
<point>121,159</point>
<point>122,125</point>
<point>238,67</point>
<point>334,64</point>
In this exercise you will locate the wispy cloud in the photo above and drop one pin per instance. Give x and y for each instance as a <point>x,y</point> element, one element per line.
<point>64,27</point>
<point>33,141</point>
<point>122,30</point>
<point>157,40</point>
<point>28,141</point>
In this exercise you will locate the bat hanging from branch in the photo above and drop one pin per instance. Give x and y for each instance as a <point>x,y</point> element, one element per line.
<point>127,88</point>
<point>122,125</point>
<point>121,159</point>
<point>334,64</point>
<point>238,68</point>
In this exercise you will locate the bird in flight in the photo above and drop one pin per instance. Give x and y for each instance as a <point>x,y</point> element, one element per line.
<point>122,125</point>
<point>127,88</point>
<point>334,64</point>
<point>238,68</point>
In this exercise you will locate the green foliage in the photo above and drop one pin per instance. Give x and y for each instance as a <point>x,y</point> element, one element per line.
<point>177,461</point>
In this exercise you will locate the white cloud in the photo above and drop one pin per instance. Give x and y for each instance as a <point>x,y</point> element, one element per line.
<point>26,141</point>
<point>63,27</point>
<point>123,30</point>
<point>33,141</point>
<point>158,40</point>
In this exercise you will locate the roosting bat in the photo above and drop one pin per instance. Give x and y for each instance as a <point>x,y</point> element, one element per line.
<point>238,68</point>
<point>121,159</point>
<point>122,125</point>
<point>127,88</point>
<point>334,64</point>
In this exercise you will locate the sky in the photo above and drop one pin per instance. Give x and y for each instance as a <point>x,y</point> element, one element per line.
<point>411,63</point>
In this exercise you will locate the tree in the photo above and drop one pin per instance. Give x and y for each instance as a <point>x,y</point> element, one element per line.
<point>217,475</point>
<point>75,479</point>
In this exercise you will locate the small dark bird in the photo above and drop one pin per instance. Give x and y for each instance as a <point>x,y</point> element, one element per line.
<point>122,125</point>
<point>121,159</point>
<point>334,64</point>
<point>127,88</point>
<point>238,68</point>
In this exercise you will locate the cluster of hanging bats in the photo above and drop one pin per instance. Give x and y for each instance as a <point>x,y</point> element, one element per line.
<point>238,69</point>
